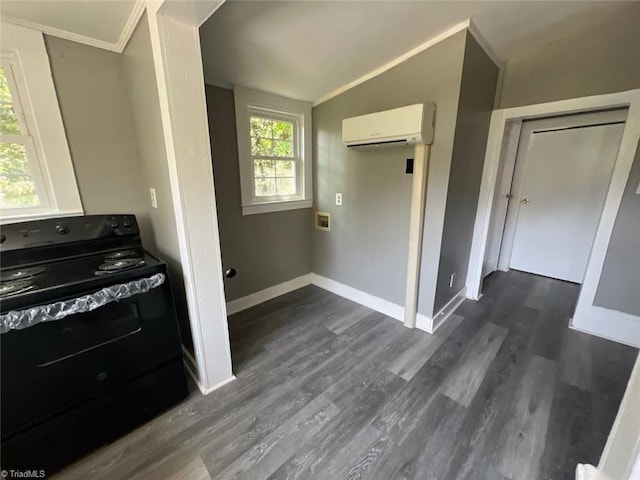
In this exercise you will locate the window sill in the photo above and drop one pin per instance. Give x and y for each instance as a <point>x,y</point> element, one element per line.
<point>40,216</point>
<point>276,207</point>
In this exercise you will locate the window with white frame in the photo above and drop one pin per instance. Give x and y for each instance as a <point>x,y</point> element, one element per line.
<point>21,181</point>
<point>274,146</point>
<point>275,154</point>
<point>37,179</point>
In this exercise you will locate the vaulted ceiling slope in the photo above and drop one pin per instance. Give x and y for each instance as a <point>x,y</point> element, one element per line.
<point>308,49</point>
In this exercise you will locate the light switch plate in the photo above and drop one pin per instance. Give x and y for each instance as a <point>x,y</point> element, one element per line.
<point>338,199</point>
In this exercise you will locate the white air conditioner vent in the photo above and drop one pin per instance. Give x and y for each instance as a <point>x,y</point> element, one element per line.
<point>396,127</point>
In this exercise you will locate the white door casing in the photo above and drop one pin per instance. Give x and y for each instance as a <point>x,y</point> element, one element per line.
<point>501,196</point>
<point>175,43</point>
<point>561,179</point>
<point>589,318</point>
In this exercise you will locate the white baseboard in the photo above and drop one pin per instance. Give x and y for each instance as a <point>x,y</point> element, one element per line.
<point>378,304</point>
<point>239,304</point>
<point>586,472</point>
<point>386,307</point>
<point>430,325</point>
<point>190,366</point>
<point>475,299</point>
<point>632,338</point>
<point>446,311</point>
<point>423,323</point>
<point>207,391</point>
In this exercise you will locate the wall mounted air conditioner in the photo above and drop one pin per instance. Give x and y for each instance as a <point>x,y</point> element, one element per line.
<point>402,126</point>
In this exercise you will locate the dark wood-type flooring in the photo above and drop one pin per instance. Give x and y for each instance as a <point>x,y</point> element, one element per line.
<point>328,389</point>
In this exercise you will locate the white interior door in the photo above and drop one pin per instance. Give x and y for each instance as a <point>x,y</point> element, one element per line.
<point>565,175</point>
<point>501,197</point>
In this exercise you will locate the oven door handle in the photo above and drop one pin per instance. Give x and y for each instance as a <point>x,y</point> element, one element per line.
<point>19,319</point>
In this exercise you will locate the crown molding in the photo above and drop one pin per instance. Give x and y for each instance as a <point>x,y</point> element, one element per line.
<point>57,32</point>
<point>130,27</point>
<point>118,47</point>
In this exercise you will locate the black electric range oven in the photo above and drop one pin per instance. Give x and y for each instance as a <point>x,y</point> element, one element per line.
<point>89,342</point>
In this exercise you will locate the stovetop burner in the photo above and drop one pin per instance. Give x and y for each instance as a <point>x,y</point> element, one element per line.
<point>112,266</point>
<point>21,274</point>
<point>121,254</point>
<point>47,260</point>
<point>14,288</point>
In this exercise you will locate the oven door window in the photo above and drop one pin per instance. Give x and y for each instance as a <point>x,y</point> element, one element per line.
<point>79,333</point>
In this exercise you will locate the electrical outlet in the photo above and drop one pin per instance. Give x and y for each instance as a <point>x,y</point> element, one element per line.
<point>453,276</point>
<point>154,200</point>
<point>338,199</point>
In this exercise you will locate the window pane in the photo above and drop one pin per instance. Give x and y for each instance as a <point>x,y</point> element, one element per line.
<point>5,93</point>
<point>283,130</point>
<point>16,183</point>
<point>285,168</point>
<point>282,149</point>
<point>261,127</point>
<point>261,147</point>
<point>265,187</point>
<point>8,120</point>
<point>264,168</point>
<point>286,186</point>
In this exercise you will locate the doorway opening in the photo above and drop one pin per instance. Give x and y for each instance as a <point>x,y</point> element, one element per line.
<point>487,251</point>
<point>591,315</point>
<point>554,179</point>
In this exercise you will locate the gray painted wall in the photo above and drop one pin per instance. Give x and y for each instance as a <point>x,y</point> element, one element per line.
<point>367,245</point>
<point>266,249</point>
<point>602,58</point>
<point>95,110</point>
<point>140,81</point>
<point>619,286</point>
<point>477,93</point>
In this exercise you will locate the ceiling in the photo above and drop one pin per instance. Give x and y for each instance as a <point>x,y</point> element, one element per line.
<point>308,49</point>
<point>101,23</point>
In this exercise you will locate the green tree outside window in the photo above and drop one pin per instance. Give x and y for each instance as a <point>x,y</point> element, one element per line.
<point>17,188</point>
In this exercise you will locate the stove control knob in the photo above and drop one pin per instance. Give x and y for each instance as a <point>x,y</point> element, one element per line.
<point>62,229</point>
<point>126,224</point>
<point>114,224</point>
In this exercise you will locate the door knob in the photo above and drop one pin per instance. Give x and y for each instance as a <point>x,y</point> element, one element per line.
<point>230,272</point>
<point>525,201</point>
